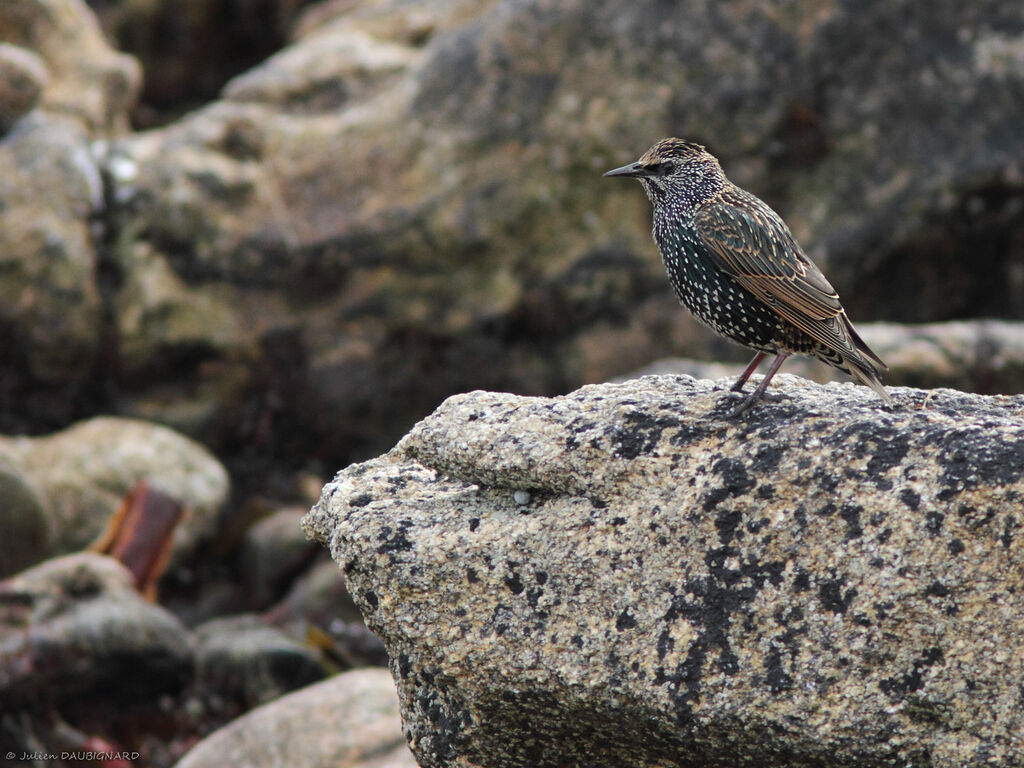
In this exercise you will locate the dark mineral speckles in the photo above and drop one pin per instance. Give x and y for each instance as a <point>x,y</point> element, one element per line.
<point>955,547</point>
<point>826,479</point>
<point>501,619</point>
<point>789,616</point>
<point>914,679</point>
<point>975,518</point>
<point>665,643</point>
<point>533,596</point>
<point>766,459</point>
<point>360,500</point>
<point>639,433</point>
<point>689,433</point>
<point>735,481</point>
<point>625,621</point>
<point>968,459</point>
<point>882,609</point>
<point>404,665</point>
<point>446,738</point>
<point>712,604</point>
<point>755,526</point>
<point>832,596</point>
<point>775,674</point>
<point>727,521</point>
<point>801,581</point>
<point>514,583</point>
<point>394,541</point>
<point>910,498</point>
<point>851,516</point>
<point>1009,526</point>
<point>885,447</point>
<point>889,447</point>
<point>472,577</point>
<point>933,521</point>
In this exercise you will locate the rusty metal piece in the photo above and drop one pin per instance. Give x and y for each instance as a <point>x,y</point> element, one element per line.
<point>140,534</point>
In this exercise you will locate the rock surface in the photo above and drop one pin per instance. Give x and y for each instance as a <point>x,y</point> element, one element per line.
<point>622,577</point>
<point>189,52</point>
<point>64,89</point>
<point>89,81</point>
<point>348,721</point>
<point>25,520</point>
<point>247,662</point>
<point>49,299</point>
<point>84,471</point>
<point>74,630</point>
<point>23,77</point>
<point>272,553</point>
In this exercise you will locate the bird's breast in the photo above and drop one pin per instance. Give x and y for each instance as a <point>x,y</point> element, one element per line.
<point>713,296</point>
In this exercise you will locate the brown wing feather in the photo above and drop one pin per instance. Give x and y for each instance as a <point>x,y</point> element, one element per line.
<point>756,247</point>
<point>749,241</point>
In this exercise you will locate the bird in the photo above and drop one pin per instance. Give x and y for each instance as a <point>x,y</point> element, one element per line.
<point>736,266</point>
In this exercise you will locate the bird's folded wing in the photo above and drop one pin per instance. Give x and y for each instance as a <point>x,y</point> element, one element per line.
<point>749,242</point>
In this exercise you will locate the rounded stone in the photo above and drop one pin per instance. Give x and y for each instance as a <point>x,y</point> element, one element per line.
<point>24,519</point>
<point>23,78</point>
<point>348,721</point>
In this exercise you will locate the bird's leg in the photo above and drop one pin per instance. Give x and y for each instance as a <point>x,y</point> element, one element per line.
<point>756,395</point>
<point>738,386</point>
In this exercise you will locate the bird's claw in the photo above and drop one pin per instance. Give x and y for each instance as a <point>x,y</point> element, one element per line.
<point>745,404</point>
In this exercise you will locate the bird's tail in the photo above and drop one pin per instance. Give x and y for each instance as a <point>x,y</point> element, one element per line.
<point>862,346</point>
<point>867,374</point>
<point>864,364</point>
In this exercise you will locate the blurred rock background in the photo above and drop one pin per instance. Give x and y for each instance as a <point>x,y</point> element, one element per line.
<point>288,229</point>
<point>341,212</point>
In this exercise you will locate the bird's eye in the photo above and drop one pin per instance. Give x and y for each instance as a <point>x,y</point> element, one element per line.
<point>660,169</point>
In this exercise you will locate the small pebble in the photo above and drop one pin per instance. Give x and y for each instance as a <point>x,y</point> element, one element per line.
<point>522,498</point>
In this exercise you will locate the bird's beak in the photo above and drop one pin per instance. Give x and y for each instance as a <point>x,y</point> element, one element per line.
<point>633,169</point>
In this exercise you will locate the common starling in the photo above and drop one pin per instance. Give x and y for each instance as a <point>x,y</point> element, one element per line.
<point>735,265</point>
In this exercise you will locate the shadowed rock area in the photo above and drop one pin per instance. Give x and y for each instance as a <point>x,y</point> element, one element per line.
<point>620,577</point>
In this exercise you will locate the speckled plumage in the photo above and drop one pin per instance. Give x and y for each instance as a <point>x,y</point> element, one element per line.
<point>735,265</point>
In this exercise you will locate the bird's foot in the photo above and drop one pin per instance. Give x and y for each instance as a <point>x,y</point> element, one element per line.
<point>746,402</point>
<point>745,405</point>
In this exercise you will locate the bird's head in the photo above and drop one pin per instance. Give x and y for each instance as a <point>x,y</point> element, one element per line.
<point>674,167</point>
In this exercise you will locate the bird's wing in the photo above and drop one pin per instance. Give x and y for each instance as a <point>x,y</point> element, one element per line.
<point>748,241</point>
